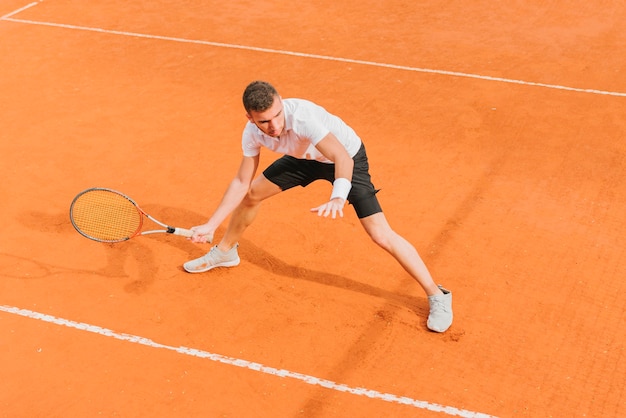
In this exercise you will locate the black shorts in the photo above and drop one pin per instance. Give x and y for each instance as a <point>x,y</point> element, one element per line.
<point>288,172</point>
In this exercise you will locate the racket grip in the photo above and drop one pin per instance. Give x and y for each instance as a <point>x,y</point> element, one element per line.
<point>182,232</point>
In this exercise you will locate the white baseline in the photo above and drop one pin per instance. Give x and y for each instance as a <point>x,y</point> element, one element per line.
<point>311,380</point>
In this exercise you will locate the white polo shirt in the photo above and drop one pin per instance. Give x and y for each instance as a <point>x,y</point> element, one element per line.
<point>305,125</point>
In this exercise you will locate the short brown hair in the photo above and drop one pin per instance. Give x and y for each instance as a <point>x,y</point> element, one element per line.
<point>259,96</point>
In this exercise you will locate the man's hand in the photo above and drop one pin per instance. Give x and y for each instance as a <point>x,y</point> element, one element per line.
<point>202,233</point>
<point>332,208</point>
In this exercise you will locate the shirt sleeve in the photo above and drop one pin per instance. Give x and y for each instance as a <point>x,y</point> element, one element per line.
<point>250,147</point>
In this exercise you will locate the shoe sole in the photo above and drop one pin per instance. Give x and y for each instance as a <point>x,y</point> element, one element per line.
<point>202,270</point>
<point>436,329</point>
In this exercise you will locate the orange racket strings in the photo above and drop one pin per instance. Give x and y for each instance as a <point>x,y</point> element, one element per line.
<point>105,215</point>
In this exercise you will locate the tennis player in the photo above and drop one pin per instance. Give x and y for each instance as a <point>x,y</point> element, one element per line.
<point>316,145</point>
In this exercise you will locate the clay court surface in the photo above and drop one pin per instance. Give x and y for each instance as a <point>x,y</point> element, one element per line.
<point>496,132</point>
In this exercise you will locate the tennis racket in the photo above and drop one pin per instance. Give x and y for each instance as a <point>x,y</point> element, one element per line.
<point>107,215</point>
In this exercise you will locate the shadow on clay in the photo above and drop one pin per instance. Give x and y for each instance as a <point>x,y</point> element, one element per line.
<point>118,254</point>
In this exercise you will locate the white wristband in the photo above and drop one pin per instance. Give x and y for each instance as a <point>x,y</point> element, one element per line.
<point>341,188</point>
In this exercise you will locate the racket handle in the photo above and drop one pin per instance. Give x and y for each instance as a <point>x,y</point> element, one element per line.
<point>181,231</point>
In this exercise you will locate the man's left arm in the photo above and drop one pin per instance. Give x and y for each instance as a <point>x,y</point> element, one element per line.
<point>334,150</point>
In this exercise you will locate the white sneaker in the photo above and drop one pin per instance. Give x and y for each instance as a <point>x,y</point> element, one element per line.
<point>440,317</point>
<point>212,259</point>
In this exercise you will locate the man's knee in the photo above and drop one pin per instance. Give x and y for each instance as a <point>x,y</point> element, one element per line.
<point>251,198</point>
<point>260,190</point>
<point>378,229</point>
<point>381,236</point>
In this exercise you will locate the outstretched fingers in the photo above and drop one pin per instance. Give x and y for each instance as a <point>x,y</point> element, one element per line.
<point>332,209</point>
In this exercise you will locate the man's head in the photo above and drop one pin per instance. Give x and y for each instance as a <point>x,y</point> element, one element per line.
<point>259,96</point>
<point>264,107</point>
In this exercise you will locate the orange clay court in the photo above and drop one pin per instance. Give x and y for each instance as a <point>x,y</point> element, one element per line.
<point>496,131</point>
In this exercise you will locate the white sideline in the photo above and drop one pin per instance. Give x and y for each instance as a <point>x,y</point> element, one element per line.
<point>21,9</point>
<point>9,18</point>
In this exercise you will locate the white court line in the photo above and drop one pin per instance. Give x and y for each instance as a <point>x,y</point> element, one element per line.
<point>28,6</point>
<point>312,56</point>
<point>311,380</point>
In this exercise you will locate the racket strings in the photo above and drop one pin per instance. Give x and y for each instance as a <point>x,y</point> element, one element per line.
<point>105,215</point>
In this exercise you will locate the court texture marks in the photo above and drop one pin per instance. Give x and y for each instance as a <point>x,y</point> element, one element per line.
<point>495,131</point>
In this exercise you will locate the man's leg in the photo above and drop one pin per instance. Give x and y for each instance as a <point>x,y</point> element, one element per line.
<point>381,233</point>
<point>247,210</point>
<point>440,317</point>
<point>225,253</point>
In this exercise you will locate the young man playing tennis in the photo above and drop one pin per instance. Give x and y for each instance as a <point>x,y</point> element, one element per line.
<point>316,145</point>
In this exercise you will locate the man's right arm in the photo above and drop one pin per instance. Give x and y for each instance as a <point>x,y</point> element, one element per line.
<point>234,194</point>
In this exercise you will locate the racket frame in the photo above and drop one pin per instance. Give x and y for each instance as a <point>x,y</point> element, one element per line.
<point>167,228</point>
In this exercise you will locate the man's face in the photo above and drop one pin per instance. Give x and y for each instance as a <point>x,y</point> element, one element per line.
<point>270,121</point>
